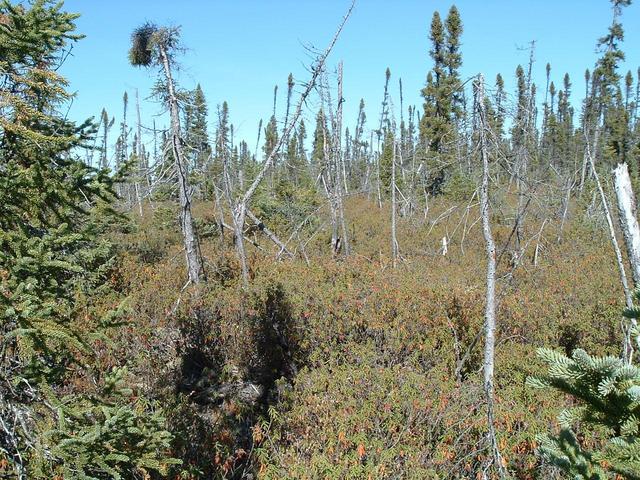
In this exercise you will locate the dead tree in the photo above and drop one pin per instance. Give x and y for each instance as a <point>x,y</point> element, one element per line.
<point>155,46</point>
<point>588,148</point>
<point>327,175</point>
<point>628,218</point>
<point>333,171</point>
<point>612,230</point>
<point>522,157</point>
<point>106,126</point>
<point>340,171</point>
<point>140,166</point>
<point>272,236</point>
<point>631,232</point>
<point>490,307</point>
<point>384,117</point>
<point>240,210</point>
<point>394,236</point>
<point>627,346</point>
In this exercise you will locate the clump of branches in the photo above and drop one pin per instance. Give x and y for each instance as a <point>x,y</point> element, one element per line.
<point>145,41</point>
<point>142,38</point>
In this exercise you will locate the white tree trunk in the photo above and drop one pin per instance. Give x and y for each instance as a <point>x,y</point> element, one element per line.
<point>631,232</point>
<point>340,186</point>
<point>490,307</point>
<point>141,167</point>
<point>612,230</point>
<point>394,236</point>
<point>628,218</point>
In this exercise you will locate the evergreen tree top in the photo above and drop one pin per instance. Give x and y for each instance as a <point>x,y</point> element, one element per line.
<point>35,36</point>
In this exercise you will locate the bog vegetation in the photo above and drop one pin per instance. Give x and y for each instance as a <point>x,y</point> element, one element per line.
<point>444,292</point>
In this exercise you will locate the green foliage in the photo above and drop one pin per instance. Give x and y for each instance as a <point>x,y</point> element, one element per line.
<point>321,368</point>
<point>48,248</point>
<point>149,40</point>
<point>608,394</point>
<point>319,143</point>
<point>54,262</point>
<point>140,53</point>
<point>288,206</point>
<point>386,163</point>
<point>110,436</point>
<point>196,136</point>
<point>460,187</point>
<point>270,137</point>
<point>442,95</point>
<point>30,35</point>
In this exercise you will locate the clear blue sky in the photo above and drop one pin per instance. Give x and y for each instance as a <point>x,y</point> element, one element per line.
<point>238,50</point>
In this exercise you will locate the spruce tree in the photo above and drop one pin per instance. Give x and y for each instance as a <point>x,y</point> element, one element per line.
<point>106,126</point>
<point>564,141</point>
<point>270,136</point>
<point>433,126</point>
<point>607,395</point>
<point>319,145</point>
<point>453,61</point>
<point>296,157</point>
<point>610,104</point>
<point>223,150</point>
<point>359,144</point>
<point>196,135</point>
<point>519,128</point>
<point>386,162</point>
<point>50,254</point>
<point>500,101</point>
<point>302,137</point>
<point>443,98</point>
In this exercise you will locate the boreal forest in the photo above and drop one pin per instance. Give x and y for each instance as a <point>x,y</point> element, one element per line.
<point>442,290</point>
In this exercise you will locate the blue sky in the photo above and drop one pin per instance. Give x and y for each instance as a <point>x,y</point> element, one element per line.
<point>238,50</point>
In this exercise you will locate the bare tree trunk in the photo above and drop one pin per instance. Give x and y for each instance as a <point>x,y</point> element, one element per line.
<point>628,218</point>
<point>380,132</point>
<point>394,238</point>
<point>522,169</point>
<point>631,231</point>
<point>339,168</point>
<point>141,167</point>
<point>344,187</point>
<point>612,231</point>
<point>272,236</point>
<point>138,196</point>
<point>218,210</point>
<point>191,245</point>
<point>343,226</point>
<point>490,308</point>
<point>585,162</point>
<point>328,175</point>
<point>589,151</point>
<point>239,214</point>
